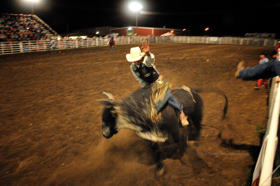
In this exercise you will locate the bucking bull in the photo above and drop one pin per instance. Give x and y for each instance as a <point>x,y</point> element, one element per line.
<point>134,113</point>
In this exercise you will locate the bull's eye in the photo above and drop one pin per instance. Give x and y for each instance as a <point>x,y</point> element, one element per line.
<point>113,114</point>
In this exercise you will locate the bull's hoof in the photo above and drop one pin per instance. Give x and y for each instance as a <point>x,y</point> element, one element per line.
<point>193,143</point>
<point>160,170</point>
<point>183,161</point>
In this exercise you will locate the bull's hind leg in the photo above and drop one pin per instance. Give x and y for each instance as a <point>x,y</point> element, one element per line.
<point>179,140</point>
<point>158,158</point>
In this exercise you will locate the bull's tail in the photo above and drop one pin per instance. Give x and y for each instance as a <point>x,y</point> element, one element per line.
<point>218,91</point>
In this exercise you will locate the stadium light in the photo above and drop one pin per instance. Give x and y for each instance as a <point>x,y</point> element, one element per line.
<point>135,7</point>
<point>32,2</point>
<point>206,29</point>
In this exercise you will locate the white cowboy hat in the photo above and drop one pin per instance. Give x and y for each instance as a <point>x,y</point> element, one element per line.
<point>135,54</point>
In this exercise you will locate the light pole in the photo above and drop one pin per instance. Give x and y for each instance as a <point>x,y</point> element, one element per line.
<point>135,7</point>
<point>32,3</point>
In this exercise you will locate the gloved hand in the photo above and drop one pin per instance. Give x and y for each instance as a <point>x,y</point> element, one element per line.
<point>145,46</point>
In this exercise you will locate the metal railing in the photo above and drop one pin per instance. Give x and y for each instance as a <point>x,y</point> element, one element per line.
<point>13,47</point>
<point>263,170</point>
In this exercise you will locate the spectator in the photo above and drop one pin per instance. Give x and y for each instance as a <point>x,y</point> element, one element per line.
<point>260,82</point>
<point>53,46</point>
<point>274,55</point>
<point>266,70</point>
<point>25,37</point>
<point>2,37</point>
<point>277,47</point>
<point>28,19</point>
<point>20,36</point>
<point>16,37</point>
<point>112,42</point>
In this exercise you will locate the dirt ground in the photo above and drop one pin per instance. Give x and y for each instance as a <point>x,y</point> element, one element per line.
<point>50,119</point>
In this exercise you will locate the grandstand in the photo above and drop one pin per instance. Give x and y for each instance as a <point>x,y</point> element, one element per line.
<point>21,27</point>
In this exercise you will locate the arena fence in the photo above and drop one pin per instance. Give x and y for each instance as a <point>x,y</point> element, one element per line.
<point>13,47</point>
<point>263,170</point>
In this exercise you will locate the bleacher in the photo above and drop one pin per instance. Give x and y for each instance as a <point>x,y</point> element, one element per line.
<point>23,27</point>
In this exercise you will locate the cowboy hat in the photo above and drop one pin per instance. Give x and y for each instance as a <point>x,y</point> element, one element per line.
<point>135,54</point>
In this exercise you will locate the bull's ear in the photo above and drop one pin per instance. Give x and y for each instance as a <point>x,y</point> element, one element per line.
<point>114,113</point>
<point>105,101</point>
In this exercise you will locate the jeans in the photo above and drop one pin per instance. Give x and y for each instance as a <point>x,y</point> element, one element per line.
<point>263,71</point>
<point>173,102</point>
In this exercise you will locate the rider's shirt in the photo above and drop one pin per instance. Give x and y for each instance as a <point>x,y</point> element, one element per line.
<point>145,73</point>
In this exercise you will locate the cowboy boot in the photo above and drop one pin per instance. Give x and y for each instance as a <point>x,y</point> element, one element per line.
<point>240,66</point>
<point>184,119</point>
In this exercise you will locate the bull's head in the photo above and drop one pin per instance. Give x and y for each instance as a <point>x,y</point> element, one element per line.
<point>109,116</point>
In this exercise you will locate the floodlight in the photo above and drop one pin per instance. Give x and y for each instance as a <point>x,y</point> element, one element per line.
<point>134,6</point>
<point>32,1</point>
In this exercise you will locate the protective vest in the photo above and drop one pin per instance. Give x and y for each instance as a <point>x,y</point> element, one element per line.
<point>147,74</point>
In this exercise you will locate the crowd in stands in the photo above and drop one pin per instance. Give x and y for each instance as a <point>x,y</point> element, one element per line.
<point>22,27</point>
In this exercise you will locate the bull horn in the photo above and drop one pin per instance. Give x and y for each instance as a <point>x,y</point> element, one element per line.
<point>110,96</point>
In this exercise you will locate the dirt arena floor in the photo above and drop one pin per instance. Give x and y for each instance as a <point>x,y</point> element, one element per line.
<point>50,119</point>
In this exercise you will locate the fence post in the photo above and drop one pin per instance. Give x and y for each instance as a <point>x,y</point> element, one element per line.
<point>265,41</point>
<point>2,48</point>
<point>37,45</point>
<point>265,178</point>
<point>21,47</point>
<point>12,48</point>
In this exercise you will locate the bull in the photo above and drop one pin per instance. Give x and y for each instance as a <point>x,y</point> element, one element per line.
<point>133,112</point>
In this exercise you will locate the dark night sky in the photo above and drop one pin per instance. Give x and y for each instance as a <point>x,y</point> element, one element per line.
<point>224,18</point>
